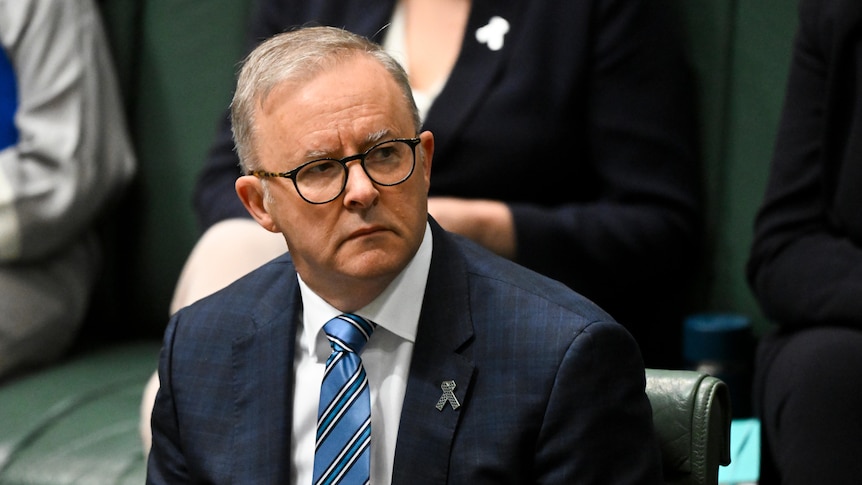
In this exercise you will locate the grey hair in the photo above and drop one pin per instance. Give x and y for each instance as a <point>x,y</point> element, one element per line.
<point>298,56</point>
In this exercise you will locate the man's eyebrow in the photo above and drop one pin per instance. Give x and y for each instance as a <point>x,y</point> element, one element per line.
<point>370,139</point>
<point>315,154</point>
<point>377,136</point>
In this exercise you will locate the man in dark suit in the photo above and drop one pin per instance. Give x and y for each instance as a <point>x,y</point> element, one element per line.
<point>597,91</point>
<point>478,370</point>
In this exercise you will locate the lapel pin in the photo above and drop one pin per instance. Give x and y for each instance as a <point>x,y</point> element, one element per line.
<point>493,33</point>
<point>448,396</point>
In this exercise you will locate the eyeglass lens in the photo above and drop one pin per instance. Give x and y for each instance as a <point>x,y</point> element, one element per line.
<point>388,163</point>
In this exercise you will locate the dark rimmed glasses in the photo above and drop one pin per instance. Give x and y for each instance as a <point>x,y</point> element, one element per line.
<point>387,163</point>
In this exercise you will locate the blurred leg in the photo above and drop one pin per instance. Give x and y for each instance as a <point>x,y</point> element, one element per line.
<point>812,406</point>
<point>149,398</point>
<point>42,306</point>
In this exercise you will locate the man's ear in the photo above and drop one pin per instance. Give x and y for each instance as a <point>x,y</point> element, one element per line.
<point>250,191</point>
<point>427,146</point>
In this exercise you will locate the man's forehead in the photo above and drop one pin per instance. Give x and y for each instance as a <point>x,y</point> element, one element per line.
<point>335,107</point>
<point>338,67</point>
<point>346,86</point>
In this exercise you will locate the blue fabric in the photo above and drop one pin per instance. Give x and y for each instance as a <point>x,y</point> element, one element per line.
<point>342,453</point>
<point>8,102</point>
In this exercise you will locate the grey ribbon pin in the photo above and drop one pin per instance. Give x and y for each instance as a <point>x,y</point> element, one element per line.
<point>448,396</point>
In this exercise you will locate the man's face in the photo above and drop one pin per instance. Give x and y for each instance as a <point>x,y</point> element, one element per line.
<point>361,240</point>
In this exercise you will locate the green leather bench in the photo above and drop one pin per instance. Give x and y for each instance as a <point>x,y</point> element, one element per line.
<point>77,422</point>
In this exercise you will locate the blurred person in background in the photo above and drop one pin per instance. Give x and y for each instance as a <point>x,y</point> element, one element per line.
<point>64,157</point>
<point>805,266</point>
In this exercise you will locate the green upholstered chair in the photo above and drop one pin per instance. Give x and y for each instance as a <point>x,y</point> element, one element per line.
<point>692,415</point>
<point>77,422</point>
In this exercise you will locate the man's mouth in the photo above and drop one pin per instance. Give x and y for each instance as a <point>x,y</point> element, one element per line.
<point>366,231</point>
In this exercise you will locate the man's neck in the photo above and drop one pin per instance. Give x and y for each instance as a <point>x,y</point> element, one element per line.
<point>353,295</point>
<point>350,294</point>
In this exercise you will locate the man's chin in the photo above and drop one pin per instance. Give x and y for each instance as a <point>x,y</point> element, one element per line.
<point>376,263</point>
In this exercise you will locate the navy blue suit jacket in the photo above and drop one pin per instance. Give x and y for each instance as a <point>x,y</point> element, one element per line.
<point>552,389</point>
<point>583,123</point>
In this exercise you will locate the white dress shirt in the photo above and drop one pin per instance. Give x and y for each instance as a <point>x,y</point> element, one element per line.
<point>386,359</point>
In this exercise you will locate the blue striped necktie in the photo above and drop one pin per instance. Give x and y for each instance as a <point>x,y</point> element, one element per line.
<point>342,453</point>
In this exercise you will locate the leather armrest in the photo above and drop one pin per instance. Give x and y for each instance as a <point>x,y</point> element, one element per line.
<point>691,413</point>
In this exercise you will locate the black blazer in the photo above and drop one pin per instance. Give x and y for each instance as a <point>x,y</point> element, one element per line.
<point>806,260</point>
<point>583,123</point>
<point>551,388</point>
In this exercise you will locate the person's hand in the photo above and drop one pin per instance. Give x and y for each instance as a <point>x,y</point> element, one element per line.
<point>488,222</point>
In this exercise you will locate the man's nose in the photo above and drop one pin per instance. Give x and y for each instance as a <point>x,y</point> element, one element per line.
<point>360,189</point>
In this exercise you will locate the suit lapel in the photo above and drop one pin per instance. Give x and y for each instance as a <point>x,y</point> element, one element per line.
<point>263,401</point>
<point>475,70</point>
<point>425,434</point>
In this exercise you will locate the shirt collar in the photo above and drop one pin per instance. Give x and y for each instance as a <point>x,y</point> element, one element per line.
<point>397,309</point>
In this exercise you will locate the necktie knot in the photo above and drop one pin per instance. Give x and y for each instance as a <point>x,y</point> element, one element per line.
<point>348,332</point>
